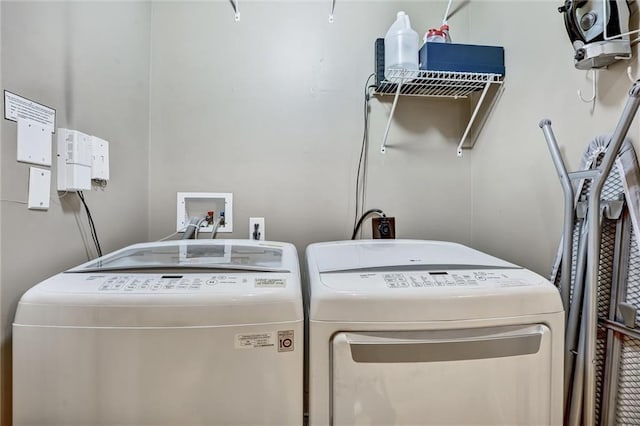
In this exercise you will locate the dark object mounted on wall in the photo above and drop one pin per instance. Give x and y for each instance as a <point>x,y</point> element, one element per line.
<point>597,30</point>
<point>383,227</point>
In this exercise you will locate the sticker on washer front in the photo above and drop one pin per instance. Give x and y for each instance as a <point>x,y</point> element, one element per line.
<point>285,341</point>
<point>270,282</point>
<point>514,283</point>
<point>255,340</point>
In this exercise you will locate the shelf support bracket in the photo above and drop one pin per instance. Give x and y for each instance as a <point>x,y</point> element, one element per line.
<point>383,148</point>
<point>473,117</point>
<point>236,9</point>
<point>333,6</point>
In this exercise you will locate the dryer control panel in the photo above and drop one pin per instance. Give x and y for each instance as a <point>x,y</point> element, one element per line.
<point>452,279</point>
<point>480,278</point>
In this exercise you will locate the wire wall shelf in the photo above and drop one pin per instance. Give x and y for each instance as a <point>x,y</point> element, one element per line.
<point>438,84</point>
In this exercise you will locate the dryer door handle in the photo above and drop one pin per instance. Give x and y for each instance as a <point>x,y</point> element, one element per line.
<point>435,346</point>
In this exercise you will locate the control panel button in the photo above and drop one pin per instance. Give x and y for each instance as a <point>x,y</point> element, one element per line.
<point>166,284</point>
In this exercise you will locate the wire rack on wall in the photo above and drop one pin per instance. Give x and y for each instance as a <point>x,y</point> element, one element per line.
<point>438,84</point>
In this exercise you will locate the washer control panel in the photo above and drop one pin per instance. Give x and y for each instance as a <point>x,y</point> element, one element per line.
<point>181,283</point>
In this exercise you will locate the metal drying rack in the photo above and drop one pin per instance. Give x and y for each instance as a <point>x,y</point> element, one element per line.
<point>585,367</point>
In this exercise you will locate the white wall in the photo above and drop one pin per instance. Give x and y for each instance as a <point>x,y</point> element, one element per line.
<point>517,197</point>
<point>270,108</point>
<point>2,374</point>
<point>89,61</point>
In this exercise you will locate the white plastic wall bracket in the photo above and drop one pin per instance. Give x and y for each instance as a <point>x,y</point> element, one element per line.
<point>99,159</point>
<point>74,160</point>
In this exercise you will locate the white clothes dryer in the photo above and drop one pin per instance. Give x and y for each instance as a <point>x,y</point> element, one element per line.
<point>430,333</point>
<point>194,332</point>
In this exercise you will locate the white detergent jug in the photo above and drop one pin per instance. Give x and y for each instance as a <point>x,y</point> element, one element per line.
<point>400,47</point>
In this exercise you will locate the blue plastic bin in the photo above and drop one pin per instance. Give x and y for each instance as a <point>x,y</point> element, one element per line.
<point>462,57</point>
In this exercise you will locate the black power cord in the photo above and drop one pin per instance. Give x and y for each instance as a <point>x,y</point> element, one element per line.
<point>362,218</point>
<point>361,174</point>
<point>92,225</point>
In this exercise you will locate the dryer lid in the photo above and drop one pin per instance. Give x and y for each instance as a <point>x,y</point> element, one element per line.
<point>417,281</point>
<point>389,255</point>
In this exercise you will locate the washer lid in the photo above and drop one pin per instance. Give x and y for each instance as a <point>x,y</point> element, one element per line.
<point>410,281</point>
<point>172,284</point>
<point>195,254</point>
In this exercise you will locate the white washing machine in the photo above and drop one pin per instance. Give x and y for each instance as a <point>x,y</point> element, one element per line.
<point>430,333</point>
<point>196,332</point>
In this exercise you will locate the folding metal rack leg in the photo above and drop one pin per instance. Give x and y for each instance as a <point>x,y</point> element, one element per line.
<point>586,357</point>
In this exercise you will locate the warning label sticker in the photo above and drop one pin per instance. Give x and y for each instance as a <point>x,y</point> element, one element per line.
<point>271,282</point>
<point>285,341</point>
<point>256,340</point>
<point>16,106</point>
